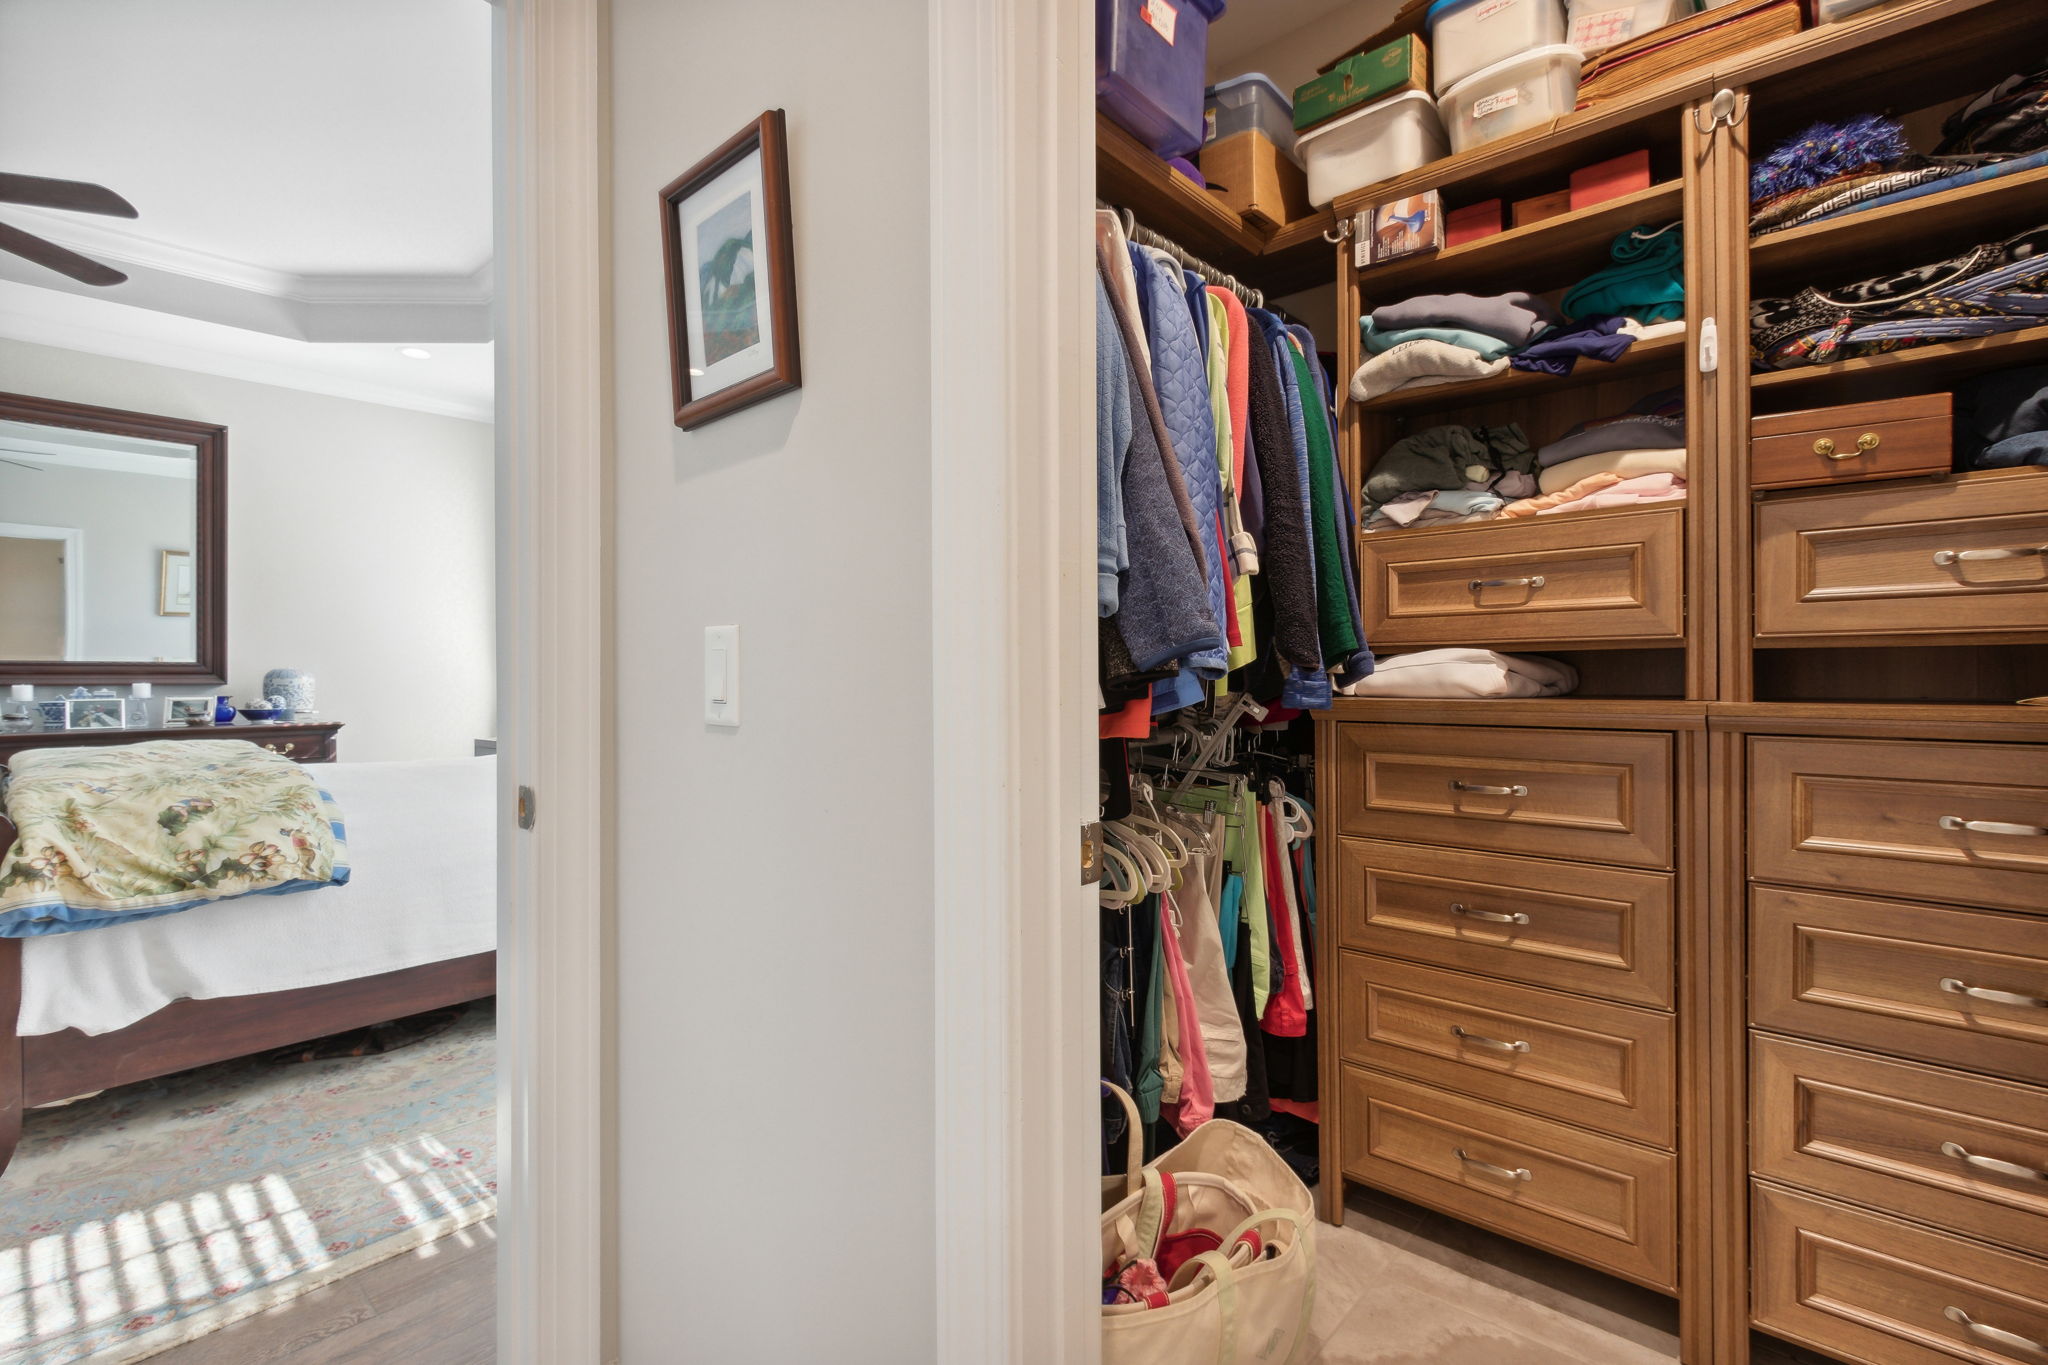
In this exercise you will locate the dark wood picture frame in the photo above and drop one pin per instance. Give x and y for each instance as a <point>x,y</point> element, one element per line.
<point>775,270</point>
<point>209,664</point>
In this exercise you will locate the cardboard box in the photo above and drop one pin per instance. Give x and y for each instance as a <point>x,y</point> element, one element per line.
<point>1539,207</point>
<point>1255,179</point>
<point>1611,179</point>
<point>1472,222</point>
<point>1405,226</point>
<point>1401,65</point>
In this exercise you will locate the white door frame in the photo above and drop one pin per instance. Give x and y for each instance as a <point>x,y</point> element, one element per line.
<point>555,1025</point>
<point>1013,644</point>
<point>74,576</point>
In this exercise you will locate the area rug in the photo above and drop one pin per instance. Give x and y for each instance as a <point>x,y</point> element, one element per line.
<point>142,1218</point>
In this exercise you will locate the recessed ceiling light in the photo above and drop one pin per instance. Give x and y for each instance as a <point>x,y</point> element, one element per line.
<point>416,353</point>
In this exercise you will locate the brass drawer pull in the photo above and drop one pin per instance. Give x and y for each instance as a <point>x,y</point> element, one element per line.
<point>1993,1334</point>
<point>1482,1040</point>
<point>1954,823</point>
<point>288,747</point>
<point>1531,581</point>
<point>1481,789</point>
<point>1490,916</point>
<point>1946,558</point>
<point>1865,443</point>
<point>1991,1163</point>
<point>1985,993</point>
<point>1505,1173</point>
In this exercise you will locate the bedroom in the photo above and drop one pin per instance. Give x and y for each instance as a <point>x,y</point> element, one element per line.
<point>247,498</point>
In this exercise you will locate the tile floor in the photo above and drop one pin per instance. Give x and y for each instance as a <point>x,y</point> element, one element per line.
<point>1400,1285</point>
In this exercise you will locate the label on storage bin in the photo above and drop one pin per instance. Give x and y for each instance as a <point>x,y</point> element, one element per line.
<point>1499,100</point>
<point>1493,7</point>
<point>1162,15</point>
<point>1601,30</point>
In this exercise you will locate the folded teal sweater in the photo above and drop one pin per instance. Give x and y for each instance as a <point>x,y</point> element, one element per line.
<point>1646,281</point>
<point>1377,341</point>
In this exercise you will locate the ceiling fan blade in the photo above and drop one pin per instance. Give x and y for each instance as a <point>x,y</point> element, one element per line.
<point>63,260</point>
<point>78,196</point>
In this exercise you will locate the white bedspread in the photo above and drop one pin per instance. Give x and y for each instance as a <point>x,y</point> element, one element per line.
<point>423,846</point>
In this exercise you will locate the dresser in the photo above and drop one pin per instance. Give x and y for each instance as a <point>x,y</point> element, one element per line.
<point>305,741</point>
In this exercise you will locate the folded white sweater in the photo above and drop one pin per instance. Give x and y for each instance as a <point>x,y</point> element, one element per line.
<point>1465,673</point>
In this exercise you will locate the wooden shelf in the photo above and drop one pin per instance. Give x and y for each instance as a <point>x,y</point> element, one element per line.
<point>1129,175</point>
<point>1663,350</point>
<point>1925,368</point>
<point>1541,256</point>
<point>1898,235</point>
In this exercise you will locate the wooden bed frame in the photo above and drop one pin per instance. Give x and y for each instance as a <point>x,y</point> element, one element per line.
<point>188,1033</point>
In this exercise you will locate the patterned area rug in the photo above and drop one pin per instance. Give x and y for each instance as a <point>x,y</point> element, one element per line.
<point>139,1219</point>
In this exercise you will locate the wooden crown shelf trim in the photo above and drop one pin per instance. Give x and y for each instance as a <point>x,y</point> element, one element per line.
<point>1938,359</point>
<point>1644,355</point>
<point>1827,246</point>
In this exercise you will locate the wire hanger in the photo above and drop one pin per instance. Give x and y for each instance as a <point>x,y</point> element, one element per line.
<point>1145,236</point>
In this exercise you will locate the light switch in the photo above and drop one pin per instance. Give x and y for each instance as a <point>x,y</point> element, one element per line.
<point>722,675</point>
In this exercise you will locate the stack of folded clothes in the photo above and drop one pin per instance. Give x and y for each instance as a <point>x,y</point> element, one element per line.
<point>1997,287</point>
<point>1619,461</point>
<point>2001,419</point>
<point>1448,474</point>
<point>1465,673</point>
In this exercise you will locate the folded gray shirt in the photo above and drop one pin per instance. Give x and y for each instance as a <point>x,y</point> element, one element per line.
<point>1627,433</point>
<point>1514,317</point>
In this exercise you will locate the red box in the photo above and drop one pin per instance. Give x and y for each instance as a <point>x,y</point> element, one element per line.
<point>1472,222</point>
<point>1604,180</point>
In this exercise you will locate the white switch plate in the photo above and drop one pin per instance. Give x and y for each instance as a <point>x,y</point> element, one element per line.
<point>722,675</point>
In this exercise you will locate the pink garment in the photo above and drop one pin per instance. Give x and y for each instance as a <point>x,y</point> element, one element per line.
<point>1604,489</point>
<point>1197,1089</point>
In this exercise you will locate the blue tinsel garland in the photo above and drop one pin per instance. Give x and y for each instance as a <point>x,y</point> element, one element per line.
<point>1824,151</point>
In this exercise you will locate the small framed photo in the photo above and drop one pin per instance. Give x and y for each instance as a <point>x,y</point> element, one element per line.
<point>731,276</point>
<point>94,713</point>
<point>174,583</point>
<point>187,711</point>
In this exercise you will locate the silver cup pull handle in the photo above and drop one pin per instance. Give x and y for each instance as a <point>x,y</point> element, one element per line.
<point>1991,1163</point>
<point>1530,581</point>
<point>1490,916</point>
<point>1504,1172</point>
<point>1957,824</point>
<point>1989,996</point>
<point>1986,1332</point>
<point>1483,1041</point>
<point>1483,789</point>
<point>1947,557</point>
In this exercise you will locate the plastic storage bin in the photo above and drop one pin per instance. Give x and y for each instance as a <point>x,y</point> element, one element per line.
<point>1469,35</point>
<point>1377,142</point>
<point>1151,63</point>
<point>1593,26</point>
<point>1249,104</point>
<point>1525,91</point>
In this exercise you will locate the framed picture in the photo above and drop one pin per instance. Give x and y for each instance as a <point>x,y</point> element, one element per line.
<point>731,276</point>
<point>174,583</point>
<point>94,713</point>
<point>188,711</point>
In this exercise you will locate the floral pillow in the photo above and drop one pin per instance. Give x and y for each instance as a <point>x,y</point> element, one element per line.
<point>132,831</point>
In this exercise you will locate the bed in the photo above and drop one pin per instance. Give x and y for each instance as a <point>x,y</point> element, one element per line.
<point>414,929</point>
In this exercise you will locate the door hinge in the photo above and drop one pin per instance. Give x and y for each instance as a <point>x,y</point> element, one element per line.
<point>1091,853</point>
<point>526,808</point>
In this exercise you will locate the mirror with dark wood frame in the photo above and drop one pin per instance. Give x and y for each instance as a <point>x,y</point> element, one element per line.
<point>113,545</point>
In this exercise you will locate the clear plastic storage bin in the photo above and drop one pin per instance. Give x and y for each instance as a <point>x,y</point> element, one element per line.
<point>1593,26</point>
<point>1249,104</point>
<point>1379,141</point>
<point>1151,63</point>
<point>1523,92</point>
<point>1468,35</point>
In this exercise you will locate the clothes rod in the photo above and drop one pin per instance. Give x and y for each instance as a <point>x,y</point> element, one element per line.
<point>1145,236</point>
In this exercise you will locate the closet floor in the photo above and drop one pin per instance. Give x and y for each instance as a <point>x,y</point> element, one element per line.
<point>1401,1285</point>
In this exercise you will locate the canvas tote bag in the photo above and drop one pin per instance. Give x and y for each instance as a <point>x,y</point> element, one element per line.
<point>1245,1303</point>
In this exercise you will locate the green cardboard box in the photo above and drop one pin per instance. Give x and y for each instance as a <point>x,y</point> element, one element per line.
<point>1401,65</point>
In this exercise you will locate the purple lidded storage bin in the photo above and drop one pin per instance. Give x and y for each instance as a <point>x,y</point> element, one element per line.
<point>1151,67</point>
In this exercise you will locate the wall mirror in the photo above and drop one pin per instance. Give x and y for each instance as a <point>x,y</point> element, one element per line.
<point>112,545</point>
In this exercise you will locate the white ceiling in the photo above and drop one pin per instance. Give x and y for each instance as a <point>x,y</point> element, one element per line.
<point>307,174</point>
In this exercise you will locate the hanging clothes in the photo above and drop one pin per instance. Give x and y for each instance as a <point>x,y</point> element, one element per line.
<point>1201,940</point>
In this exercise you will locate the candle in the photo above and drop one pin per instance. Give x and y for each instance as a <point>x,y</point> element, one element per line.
<point>22,692</point>
<point>140,689</point>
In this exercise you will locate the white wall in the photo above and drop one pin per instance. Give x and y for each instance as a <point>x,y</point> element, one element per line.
<point>1294,40</point>
<point>774,914</point>
<point>359,545</point>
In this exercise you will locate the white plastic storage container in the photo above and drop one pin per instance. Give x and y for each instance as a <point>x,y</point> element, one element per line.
<point>1468,35</point>
<point>1383,139</point>
<point>1593,26</point>
<point>1523,92</point>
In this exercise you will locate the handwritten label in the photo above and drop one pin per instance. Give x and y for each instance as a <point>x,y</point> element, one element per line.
<point>1493,7</point>
<point>1601,30</point>
<point>1163,16</point>
<point>1499,100</point>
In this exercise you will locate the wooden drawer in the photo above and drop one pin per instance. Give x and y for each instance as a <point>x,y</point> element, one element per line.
<point>1592,1198</point>
<point>1881,561</point>
<point>1597,930</point>
<point>1604,1066</point>
<point>1593,577</point>
<point>1576,795</point>
<point>1873,1289</point>
<point>1899,1137</point>
<point>1869,973</point>
<point>1870,815</point>
<point>1889,439</point>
